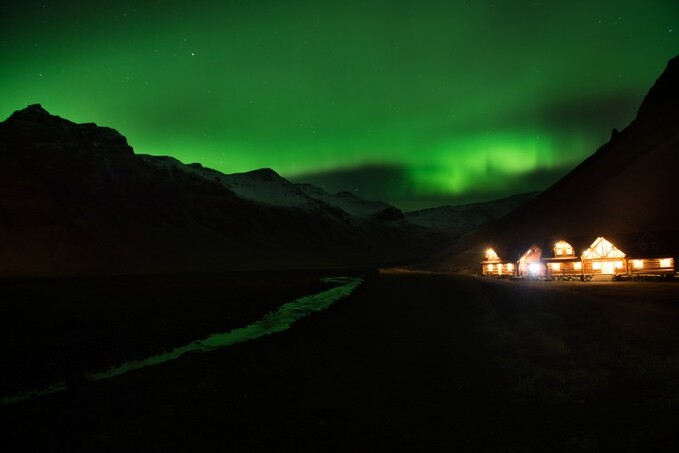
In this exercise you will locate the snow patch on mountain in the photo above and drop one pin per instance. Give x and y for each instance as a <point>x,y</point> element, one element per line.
<point>462,219</point>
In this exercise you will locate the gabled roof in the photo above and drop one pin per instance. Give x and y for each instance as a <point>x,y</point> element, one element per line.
<point>533,253</point>
<point>601,249</point>
<point>491,255</point>
<point>567,250</point>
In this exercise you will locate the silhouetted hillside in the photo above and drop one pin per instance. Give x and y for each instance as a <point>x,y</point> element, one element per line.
<point>75,199</point>
<point>626,189</point>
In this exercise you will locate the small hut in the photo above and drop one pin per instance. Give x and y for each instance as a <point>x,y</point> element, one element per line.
<point>565,264</point>
<point>602,257</point>
<point>529,264</point>
<point>494,266</point>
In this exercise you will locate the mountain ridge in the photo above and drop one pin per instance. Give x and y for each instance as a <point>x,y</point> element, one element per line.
<point>75,199</point>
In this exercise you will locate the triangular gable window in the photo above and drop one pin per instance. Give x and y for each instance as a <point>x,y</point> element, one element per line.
<point>601,249</point>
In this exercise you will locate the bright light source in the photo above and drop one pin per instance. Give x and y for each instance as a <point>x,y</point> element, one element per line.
<point>596,266</point>
<point>666,262</point>
<point>490,268</point>
<point>577,266</point>
<point>510,267</point>
<point>556,266</point>
<point>534,268</point>
<point>618,264</point>
<point>638,264</point>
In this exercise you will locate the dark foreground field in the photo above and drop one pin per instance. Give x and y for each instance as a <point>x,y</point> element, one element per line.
<point>409,362</point>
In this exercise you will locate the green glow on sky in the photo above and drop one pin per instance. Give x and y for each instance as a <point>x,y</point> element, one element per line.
<point>453,94</point>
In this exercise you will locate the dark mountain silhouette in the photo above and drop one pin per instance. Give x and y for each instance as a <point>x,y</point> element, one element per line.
<point>75,199</point>
<point>625,190</point>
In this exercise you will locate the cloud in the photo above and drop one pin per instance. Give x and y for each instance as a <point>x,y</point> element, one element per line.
<point>593,114</point>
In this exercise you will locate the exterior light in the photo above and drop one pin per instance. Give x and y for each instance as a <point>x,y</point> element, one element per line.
<point>534,268</point>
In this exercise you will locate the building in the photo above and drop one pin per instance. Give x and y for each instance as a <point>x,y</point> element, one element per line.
<point>494,266</point>
<point>601,260</point>
<point>602,257</point>
<point>565,264</point>
<point>530,264</point>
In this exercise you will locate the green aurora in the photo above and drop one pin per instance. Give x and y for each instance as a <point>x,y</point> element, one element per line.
<point>416,103</point>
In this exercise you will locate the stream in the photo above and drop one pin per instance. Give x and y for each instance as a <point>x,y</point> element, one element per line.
<point>276,321</point>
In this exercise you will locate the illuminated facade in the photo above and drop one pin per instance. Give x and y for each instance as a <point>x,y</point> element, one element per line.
<point>530,264</point>
<point>565,263</point>
<point>601,257</point>
<point>494,266</point>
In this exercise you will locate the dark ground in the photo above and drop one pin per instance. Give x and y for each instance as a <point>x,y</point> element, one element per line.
<point>409,362</point>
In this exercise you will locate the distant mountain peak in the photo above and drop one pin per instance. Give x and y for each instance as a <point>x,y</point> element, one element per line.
<point>264,172</point>
<point>34,128</point>
<point>34,113</point>
<point>34,109</point>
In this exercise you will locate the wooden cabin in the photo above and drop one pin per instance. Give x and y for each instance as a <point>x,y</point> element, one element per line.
<point>602,257</point>
<point>648,257</point>
<point>494,266</point>
<point>651,266</point>
<point>530,264</point>
<point>565,264</point>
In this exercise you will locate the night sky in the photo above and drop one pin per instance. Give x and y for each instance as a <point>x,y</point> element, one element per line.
<point>416,103</point>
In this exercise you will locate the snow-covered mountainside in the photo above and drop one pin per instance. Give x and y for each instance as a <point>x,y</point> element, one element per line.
<point>346,201</point>
<point>463,219</point>
<point>265,186</point>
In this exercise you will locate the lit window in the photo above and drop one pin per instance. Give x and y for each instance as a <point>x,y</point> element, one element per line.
<point>569,251</point>
<point>559,251</point>
<point>665,262</point>
<point>596,266</point>
<point>638,264</point>
<point>510,267</point>
<point>556,266</point>
<point>577,266</point>
<point>618,264</point>
<point>490,268</point>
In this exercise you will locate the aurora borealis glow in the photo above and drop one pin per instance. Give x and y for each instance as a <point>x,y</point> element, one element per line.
<point>415,103</point>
